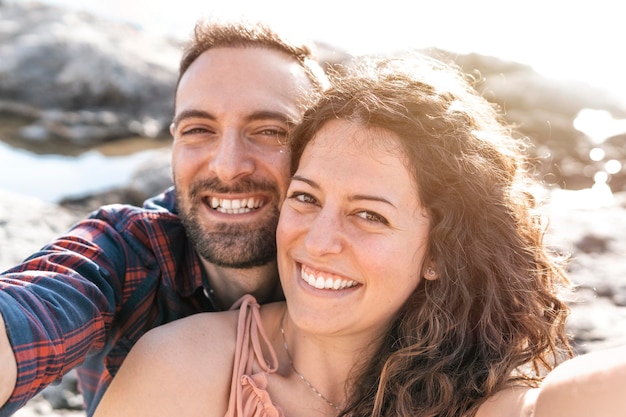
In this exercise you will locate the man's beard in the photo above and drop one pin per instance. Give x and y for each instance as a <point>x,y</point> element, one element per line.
<point>228,244</point>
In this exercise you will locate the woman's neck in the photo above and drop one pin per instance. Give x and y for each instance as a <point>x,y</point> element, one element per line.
<point>316,367</point>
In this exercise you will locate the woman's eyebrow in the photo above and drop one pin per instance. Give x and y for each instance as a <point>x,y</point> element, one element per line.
<point>355,197</point>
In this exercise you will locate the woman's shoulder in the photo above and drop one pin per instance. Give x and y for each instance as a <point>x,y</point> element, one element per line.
<point>192,357</point>
<point>218,328</point>
<point>189,349</point>
<point>179,368</point>
<point>205,336</point>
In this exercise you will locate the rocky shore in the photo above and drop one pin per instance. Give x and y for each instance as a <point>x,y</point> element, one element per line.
<point>26,223</point>
<point>77,81</point>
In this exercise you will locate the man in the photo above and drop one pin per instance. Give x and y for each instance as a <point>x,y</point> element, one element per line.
<point>87,297</point>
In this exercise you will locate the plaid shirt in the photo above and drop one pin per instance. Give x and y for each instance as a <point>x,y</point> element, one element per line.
<point>85,298</point>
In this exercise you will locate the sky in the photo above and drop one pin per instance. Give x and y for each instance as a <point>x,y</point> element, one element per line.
<point>581,40</point>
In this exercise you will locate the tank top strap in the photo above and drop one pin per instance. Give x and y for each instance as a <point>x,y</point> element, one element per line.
<point>248,394</point>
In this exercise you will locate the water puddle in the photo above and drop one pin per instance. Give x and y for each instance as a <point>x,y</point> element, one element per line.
<point>54,171</point>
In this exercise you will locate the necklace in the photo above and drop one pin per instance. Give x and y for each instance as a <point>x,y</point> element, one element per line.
<point>306,381</point>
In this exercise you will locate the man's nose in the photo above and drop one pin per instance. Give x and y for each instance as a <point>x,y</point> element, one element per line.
<point>232,158</point>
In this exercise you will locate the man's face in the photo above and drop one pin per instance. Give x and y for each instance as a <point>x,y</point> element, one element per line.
<point>230,162</point>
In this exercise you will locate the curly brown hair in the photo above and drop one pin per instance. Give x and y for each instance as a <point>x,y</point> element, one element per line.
<point>495,317</point>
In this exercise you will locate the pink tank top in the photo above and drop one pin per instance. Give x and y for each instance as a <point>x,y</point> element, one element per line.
<point>248,391</point>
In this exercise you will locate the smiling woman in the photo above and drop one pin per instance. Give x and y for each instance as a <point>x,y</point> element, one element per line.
<point>348,191</point>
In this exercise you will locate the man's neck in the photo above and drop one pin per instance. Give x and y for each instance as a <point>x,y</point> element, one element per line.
<point>230,284</point>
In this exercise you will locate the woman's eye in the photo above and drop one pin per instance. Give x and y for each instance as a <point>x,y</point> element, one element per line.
<point>372,217</point>
<point>303,198</point>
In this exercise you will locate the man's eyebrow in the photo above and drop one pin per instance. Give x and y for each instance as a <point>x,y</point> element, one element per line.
<point>270,115</point>
<point>258,115</point>
<point>190,114</point>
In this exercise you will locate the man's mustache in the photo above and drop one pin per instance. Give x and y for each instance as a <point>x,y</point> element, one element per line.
<point>246,185</point>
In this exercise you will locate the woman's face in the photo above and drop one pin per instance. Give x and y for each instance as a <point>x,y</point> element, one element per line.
<point>352,233</point>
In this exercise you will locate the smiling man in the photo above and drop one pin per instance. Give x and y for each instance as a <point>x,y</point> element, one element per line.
<point>85,299</point>
<point>230,162</point>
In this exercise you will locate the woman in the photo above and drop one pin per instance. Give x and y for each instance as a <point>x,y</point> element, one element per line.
<point>411,258</point>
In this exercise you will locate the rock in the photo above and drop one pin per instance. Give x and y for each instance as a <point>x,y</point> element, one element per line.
<point>153,176</point>
<point>64,395</point>
<point>93,79</point>
<point>85,80</point>
<point>545,110</point>
<point>593,244</point>
<point>150,178</point>
<point>87,203</point>
<point>595,236</point>
<point>26,224</point>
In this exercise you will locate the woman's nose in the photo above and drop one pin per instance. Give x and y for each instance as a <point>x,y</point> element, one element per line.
<point>324,234</point>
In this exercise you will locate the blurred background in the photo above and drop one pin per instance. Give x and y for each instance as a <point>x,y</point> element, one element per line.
<point>85,87</point>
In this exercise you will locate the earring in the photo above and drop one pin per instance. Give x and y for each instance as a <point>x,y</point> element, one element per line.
<point>430,273</point>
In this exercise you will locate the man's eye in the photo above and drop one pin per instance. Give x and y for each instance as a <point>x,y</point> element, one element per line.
<point>273,132</point>
<point>194,131</point>
<point>270,136</point>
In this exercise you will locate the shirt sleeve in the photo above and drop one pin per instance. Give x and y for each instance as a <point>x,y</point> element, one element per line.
<point>59,303</point>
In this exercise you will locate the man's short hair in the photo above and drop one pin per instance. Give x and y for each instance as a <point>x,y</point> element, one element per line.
<point>210,34</point>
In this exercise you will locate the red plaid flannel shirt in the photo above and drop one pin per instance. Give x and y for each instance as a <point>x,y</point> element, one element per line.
<point>85,298</point>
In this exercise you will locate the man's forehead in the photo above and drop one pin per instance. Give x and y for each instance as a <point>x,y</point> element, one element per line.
<point>247,80</point>
<point>250,60</point>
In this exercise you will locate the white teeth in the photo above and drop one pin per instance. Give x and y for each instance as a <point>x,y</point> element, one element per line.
<point>319,283</point>
<point>235,206</point>
<point>328,283</point>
